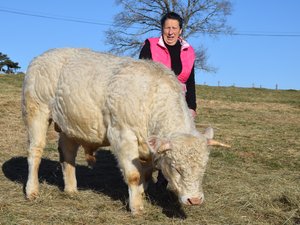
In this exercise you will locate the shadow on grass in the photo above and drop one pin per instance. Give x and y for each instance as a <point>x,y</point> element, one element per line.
<point>104,178</point>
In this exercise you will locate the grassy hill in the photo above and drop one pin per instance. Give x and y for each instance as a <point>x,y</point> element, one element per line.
<point>256,181</point>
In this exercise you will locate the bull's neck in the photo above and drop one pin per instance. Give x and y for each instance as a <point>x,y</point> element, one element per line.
<point>171,120</point>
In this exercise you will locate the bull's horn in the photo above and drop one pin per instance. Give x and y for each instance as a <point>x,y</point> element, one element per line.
<point>212,142</point>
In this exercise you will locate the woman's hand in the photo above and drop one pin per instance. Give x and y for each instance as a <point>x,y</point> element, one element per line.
<point>193,113</point>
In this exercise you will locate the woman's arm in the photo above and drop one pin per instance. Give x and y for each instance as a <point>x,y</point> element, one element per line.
<point>146,52</point>
<point>191,91</point>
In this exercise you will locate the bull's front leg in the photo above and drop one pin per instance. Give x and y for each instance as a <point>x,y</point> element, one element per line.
<point>131,168</point>
<point>126,152</point>
<point>135,188</point>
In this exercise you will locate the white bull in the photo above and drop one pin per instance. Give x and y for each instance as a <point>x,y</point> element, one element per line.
<point>136,106</point>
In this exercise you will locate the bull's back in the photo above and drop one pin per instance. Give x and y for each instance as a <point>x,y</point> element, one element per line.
<point>79,103</point>
<point>42,75</point>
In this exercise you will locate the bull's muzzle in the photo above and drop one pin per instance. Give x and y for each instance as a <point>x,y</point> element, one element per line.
<point>192,200</point>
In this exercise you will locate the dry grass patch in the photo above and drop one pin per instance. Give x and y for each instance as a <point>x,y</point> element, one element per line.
<point>256,181</point>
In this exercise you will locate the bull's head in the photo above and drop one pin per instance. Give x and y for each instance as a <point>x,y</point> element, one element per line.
<point>182,158</point>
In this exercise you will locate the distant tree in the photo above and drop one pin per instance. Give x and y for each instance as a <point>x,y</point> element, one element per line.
<point>3,58</point>
<point>140,19</point>
<point>6,65</point>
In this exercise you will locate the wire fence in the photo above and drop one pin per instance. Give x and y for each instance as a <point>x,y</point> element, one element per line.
<point>253,85</point>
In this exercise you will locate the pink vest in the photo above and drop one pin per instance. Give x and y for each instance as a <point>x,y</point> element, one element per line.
<point>161,54</point>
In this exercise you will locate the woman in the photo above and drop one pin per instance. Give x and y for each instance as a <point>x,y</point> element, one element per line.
<point>172,51</point>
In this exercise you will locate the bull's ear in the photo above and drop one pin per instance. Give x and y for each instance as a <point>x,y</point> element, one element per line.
<point>209,133</point>
<point>153,143</point>
<point>158,145</point>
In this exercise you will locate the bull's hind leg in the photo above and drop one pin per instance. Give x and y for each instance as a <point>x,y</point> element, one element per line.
<point>68,151</point>
<point>37,120</point>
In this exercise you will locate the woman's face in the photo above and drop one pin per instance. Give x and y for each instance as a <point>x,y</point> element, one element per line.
<point>171,31</point>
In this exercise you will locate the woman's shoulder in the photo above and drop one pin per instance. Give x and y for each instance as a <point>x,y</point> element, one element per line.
<point>153,39</point>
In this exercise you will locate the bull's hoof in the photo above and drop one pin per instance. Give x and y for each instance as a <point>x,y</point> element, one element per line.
<point>32,195</point>
<point>32,191</point>
<point>70,191</point>
<point>137,211</point>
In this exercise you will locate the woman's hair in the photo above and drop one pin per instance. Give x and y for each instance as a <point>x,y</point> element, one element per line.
<point>171,15</point>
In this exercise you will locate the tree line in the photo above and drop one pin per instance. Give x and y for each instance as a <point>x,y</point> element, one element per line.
<point>8,66</point>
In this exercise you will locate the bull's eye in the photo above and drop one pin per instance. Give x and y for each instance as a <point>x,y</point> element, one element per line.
<point>177,170</point>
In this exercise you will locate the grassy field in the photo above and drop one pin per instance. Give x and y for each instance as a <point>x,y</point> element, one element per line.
<point>256,181</point>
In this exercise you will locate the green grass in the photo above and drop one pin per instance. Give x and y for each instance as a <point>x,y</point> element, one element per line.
<point>256,181</point>
<point>10,82</point>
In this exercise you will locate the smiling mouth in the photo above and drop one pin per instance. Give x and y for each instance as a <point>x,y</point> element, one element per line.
<point>171,38</point>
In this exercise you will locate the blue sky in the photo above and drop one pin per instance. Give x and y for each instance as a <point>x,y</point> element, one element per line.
<point>241,60</point>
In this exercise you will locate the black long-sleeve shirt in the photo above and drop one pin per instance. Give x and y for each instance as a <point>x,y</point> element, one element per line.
<point>176,66</point>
